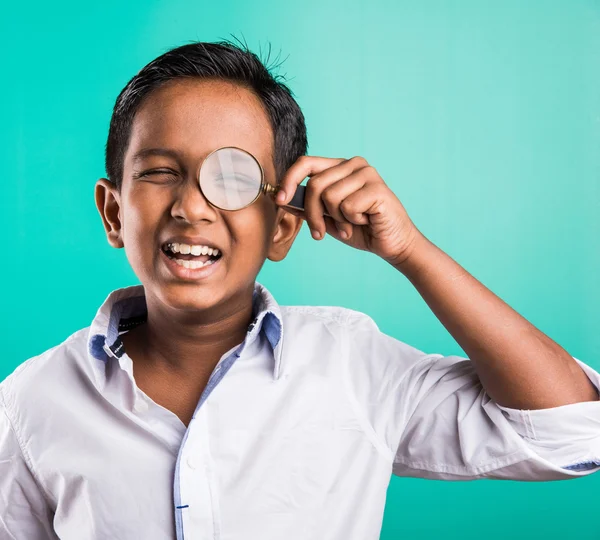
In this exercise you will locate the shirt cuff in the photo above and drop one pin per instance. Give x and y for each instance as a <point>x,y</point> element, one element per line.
<point>567,436</point>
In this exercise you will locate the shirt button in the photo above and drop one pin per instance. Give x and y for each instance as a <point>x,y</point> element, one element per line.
<point>140,406</point>
<point>191,462</point>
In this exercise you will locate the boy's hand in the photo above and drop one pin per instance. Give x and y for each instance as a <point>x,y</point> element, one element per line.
<point>365,212</point>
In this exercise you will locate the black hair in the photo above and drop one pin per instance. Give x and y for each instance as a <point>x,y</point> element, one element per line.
<point>221,60</point>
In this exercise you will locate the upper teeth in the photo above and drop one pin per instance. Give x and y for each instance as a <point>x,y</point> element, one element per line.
<point>185,249</point>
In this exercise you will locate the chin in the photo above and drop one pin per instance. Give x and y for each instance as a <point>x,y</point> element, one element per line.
<point>189,296</point>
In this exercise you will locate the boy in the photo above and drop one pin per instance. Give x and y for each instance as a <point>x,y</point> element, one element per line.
<point>194,406</point>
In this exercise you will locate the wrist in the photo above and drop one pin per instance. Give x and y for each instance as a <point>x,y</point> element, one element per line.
<point>412,261</point>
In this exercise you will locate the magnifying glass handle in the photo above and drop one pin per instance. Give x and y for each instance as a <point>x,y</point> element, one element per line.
<point>297,201</point>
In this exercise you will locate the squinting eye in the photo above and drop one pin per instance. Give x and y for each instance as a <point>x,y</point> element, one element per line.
<point>170,176</point>
<point>241,179</point>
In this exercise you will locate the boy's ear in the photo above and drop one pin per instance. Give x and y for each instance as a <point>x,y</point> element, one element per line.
<point>287,227</point>
<point>108,203</point>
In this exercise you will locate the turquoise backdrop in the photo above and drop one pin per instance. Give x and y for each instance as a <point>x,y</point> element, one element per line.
<point>483,117</point>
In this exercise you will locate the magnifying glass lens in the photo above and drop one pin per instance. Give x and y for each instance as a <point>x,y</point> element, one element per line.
<point>230,178</point>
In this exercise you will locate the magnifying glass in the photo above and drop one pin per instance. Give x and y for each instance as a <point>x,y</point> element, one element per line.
<point>231,179</point>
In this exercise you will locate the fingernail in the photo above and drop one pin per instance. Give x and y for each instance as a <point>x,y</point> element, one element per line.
<point>281,196</point>
<point>341,230</point>
<point>316,234</point>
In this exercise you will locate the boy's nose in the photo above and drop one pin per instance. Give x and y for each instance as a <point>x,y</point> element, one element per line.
<point>191,204</point>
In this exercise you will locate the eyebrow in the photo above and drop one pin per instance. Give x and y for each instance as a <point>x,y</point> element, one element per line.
<point>146,152</point>
<point>168,152</point>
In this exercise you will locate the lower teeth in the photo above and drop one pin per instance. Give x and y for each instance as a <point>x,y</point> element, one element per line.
<point>193,264</point>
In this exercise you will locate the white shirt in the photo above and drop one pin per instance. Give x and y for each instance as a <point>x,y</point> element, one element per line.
<point>295,437</point>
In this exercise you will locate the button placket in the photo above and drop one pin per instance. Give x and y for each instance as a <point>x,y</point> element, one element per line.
<point>194,482</point>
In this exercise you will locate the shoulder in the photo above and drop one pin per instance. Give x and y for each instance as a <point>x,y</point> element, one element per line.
<point>331,316</point>
<point>361,337</point>
<point>34,382</point>
<point>327,331</point>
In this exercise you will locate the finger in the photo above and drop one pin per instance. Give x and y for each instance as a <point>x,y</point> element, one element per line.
<point>307,166</point>
<point>314,204</point>
<point>358,206</point>
<point>304,166</point>
<point>336,192</point>
<point>333,229</point>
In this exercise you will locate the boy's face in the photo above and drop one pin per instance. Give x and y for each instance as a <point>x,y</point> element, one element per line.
<point>192,118</point>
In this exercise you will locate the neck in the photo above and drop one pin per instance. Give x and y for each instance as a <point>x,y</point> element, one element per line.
<point>192,344</point>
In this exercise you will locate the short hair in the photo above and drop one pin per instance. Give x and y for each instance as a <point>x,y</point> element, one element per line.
<point>203,60</point>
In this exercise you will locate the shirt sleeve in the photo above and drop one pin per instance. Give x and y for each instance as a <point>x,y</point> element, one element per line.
<point>24,512</point>
<point>436,420</point>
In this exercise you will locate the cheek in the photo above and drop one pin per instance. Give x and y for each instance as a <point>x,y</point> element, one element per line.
<point>140,219</point>
<point>250,229</point>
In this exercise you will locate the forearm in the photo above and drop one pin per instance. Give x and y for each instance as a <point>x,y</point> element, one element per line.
<point>518,365</point>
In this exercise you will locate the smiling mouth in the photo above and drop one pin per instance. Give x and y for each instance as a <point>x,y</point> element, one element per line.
<point>178,254</point>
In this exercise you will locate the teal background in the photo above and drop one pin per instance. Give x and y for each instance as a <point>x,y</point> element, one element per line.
<point>483,117</point>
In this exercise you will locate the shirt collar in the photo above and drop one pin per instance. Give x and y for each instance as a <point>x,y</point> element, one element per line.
<point>126,307</point>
